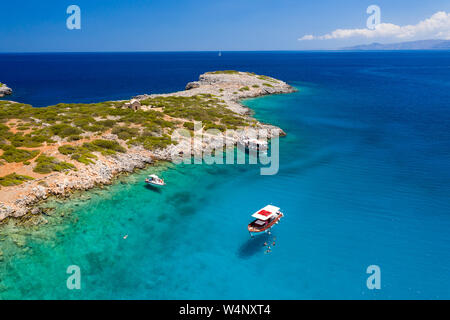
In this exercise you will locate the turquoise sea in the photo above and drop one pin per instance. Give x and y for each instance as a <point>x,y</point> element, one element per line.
<point>364,180</point>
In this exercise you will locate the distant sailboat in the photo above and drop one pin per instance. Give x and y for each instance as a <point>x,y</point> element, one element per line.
<point>220,54</point>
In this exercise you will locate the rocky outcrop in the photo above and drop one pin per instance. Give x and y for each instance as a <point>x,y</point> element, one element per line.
<point>192,85</point>
<point>4,90</point>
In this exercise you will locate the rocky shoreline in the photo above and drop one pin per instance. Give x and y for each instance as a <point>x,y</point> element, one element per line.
<point>230,86</point>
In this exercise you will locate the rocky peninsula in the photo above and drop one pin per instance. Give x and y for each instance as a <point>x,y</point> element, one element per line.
<point>55,150</point>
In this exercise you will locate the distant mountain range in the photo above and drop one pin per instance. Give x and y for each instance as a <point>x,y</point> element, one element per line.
<point>410,45</point>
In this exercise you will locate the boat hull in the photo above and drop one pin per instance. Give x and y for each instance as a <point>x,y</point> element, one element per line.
<point>154,184</point>
<point>254,229</point>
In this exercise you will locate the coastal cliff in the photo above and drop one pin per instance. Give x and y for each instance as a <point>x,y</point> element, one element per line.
<point>59,149</point>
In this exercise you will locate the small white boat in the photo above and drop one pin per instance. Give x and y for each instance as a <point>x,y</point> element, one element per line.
<point>153,179</point>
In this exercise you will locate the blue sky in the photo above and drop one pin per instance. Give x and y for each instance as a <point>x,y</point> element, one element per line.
<point>185,25</point>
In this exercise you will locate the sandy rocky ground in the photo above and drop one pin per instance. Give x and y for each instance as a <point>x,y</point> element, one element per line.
<point>17,201</point>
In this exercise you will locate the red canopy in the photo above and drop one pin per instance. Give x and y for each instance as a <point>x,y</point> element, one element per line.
<point>265,213</point>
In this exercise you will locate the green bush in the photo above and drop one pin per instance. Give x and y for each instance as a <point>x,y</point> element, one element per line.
<point>4,132</point>
<point>152,143</point>
<point>214,126</point>
<point>30,140</point>
<point>85,158</point>
<point>67,149</point>
<point>125,133</point>
<point>85,121</point>
<point>47,164</point>
<point>64,130</point>
<point>12,154</point>
<point>107,123</point>
<point>73,138</point>
<point>189,125</point>
<point>79,153</point>
<point>94,128</point>
<point>13,179</point>
<point>84,153</point>
<point>233,122</point>
<point>108,145</point>
<point>23,127</point>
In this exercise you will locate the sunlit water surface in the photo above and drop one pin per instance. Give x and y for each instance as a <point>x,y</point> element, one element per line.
<point>364,180</point>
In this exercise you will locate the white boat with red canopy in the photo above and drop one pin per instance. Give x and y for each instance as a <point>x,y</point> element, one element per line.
<point>266,218</point>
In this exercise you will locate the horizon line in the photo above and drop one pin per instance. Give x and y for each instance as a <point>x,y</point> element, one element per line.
<point>219,51</point>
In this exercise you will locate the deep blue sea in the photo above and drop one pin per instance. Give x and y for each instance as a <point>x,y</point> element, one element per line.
<point>364,180</point>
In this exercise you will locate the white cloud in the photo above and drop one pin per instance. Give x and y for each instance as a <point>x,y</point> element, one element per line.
<point>307,37</point>
<point>435,27</point>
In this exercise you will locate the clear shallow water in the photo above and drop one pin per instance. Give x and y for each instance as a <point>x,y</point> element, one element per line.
<point>364,179</point>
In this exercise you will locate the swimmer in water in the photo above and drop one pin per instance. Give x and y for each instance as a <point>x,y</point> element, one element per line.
<point>125,236</point>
